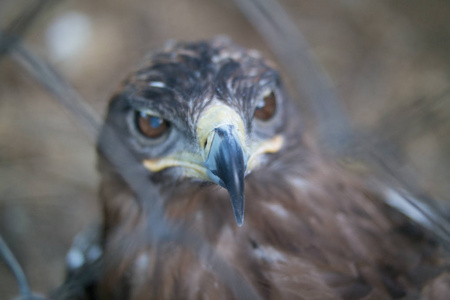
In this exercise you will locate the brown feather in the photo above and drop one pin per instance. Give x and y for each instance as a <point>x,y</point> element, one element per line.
<point>322,235</point>
<point>312,231</point>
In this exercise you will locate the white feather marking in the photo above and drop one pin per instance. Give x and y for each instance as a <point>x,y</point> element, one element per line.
<point>413,210</point>
<point>94,252</point>
<point>254,53</point>
<point>301,183</point>
<point>269,254</point>
<point>75,259</point>
<point>277,209</point>
<point>142,262</point>
<point>253,72</point>
<point>221,56</point>
<point>158,84</point>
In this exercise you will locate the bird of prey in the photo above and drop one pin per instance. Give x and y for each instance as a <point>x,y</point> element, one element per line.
<point>229,160</point>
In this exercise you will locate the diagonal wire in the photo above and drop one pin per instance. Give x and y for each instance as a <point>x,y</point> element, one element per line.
<point>54,83</point>
<point>15,268</point>
<point>19,26</point>
<point>8,39</point>
<point>19,275</point>
<point>280,32</point>
<point>403,180</point>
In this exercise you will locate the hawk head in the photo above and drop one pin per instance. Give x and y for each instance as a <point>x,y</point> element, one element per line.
<point>209,111</point>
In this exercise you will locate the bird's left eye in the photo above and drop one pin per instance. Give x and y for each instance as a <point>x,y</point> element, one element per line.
<point>151,126</point>
<point>266,107</point>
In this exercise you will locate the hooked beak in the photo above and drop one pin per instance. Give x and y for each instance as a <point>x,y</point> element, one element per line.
<point>226,164</point>
<point>224,157</point>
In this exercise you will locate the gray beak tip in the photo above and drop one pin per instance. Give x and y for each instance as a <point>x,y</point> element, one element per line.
<point>239,221</point>
<point>237,204</point>
<point>227,164</point>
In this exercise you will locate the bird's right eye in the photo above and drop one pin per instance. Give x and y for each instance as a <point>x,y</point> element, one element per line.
<point>150,126</point>
<point>266,107</point>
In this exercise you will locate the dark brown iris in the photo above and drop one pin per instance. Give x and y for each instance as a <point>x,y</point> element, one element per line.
<point>266,108</point>
<point>151,126</point>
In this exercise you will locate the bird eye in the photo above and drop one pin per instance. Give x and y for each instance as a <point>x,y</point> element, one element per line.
<point>266,107</point>
<point>150,126</point>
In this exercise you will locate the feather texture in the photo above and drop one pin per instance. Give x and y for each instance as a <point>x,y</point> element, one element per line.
<point>312,230</point>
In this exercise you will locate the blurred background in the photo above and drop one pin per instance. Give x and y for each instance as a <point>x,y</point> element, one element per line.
<point>389,62</point>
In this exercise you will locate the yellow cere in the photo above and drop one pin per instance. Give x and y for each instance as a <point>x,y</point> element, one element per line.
<point>191,163</point>
<point>267,146</point>
<point>214,116</point>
